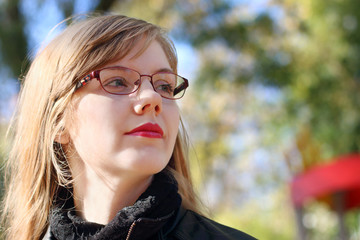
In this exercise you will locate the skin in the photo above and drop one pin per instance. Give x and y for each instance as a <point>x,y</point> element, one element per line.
<point>110,168</point>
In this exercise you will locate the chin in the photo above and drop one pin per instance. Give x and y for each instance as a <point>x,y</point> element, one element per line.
<point>152,166</point>
<point>143,162</point>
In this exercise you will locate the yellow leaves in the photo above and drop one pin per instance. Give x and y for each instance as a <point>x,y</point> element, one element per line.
<point>268,217</point>
<point>160,12</point>
<point>309,149</point>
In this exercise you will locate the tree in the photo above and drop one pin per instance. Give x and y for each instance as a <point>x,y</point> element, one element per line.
<point>309,52</point>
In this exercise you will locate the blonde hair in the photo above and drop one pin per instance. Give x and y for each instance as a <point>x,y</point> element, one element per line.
<point>36,164</point>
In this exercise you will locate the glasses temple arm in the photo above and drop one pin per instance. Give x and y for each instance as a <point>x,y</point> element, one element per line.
<point>182,86</point>
<point>83,81</point>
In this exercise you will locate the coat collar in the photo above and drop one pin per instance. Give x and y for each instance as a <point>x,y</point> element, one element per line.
<point>151,212</point>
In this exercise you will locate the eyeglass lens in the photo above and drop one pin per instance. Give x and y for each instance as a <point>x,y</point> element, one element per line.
<point>125,81</point>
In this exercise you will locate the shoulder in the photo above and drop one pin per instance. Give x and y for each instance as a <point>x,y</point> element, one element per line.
<point>194,226</point>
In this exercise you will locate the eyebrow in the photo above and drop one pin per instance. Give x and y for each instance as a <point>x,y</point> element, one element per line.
<point>158,71</point>
<point>165,70</point>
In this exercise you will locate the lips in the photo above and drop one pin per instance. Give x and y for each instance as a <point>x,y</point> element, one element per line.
<point>148,130</point>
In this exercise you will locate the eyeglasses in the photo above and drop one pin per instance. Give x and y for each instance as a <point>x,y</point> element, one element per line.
<point>123,81</point>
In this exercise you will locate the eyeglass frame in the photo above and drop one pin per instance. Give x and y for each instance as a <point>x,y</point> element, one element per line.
<point>96,74</point>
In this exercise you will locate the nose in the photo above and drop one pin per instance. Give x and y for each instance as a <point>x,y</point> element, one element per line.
<point>147,99</point>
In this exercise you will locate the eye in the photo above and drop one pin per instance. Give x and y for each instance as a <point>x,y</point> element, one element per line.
<point>165,87</point>
<point>165,83</point>
<point>116,82</point>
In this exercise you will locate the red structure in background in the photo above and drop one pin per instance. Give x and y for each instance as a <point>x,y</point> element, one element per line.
<point>337,183</point>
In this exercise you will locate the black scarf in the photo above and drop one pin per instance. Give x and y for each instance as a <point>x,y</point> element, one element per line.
<point>154,209</point>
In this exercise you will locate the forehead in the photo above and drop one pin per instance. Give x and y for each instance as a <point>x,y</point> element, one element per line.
<point>151,58</point>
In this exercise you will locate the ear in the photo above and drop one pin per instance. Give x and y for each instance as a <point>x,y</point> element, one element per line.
<point>62,136</point>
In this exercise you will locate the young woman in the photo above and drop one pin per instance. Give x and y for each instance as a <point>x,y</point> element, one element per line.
<point>97,150</point>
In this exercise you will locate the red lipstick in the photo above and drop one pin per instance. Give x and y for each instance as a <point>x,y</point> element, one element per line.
<point>149,130</point>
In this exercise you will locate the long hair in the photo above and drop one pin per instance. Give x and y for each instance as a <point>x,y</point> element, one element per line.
<point>37,166</point>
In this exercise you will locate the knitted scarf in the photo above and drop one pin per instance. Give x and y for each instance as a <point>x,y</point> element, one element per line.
<point>154,209</point>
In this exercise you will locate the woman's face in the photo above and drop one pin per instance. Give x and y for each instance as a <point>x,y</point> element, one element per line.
<point>102,129</point>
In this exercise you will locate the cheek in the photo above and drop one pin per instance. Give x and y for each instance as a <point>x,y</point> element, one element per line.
<point>99,111</point>
<point>95,120</point>
<point>87,118</point>
<point>173,120</point>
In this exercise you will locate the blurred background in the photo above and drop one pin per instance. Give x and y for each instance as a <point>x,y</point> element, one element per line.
<point>274,93</point>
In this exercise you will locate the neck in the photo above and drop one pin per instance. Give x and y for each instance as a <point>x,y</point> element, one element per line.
<point>99,198</point>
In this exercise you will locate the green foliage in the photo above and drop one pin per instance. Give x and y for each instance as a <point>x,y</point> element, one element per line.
<point>324,80</point>
<point>309,53</point>
<point>12,38</point>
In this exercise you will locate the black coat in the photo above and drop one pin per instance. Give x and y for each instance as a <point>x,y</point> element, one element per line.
<point>156,215</point>
<point>190,225</point>
<point>187,226</point>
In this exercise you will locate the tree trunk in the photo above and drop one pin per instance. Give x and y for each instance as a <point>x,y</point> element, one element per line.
<point>340,211</point>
